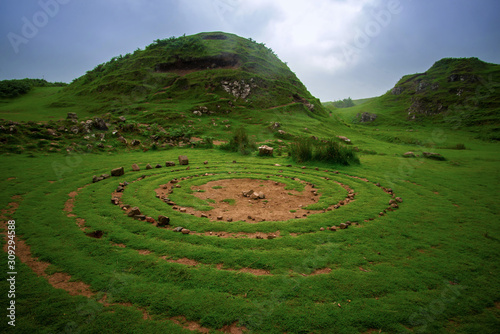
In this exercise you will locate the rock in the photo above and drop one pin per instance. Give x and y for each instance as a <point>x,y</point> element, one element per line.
<point>121,139</point>
<point>394,205</point>
<point>220,218</point>
<point>178,229</point>
<point>148,166</point>
<point>105,176</point>
<point>115,200</point>
<point>333,228</point>
<point>261,195</point>
<point>135,142</point>
<point>52,132</point>
<point>75,129</point>
<point>163,220</point>
<point>343,226</point>
<point>150,220</point>
<point>276,125</point>
<point>322,229</point>
<point>344,139</point>
<point>254,196</point>
<point>95,179</point>
<point>366,117</point>
<point>247,193</point>
<point>122,119</point>
<point>185,231</point>
<point>183,160</point>
<point>135,168</point>
<point>134,212</point>
<point>397,90</point>
<point>399,199</point>
<point>204,215</point>
<point>120,189</point>
<point>409,155</point>
<point>72,116</point>
<point>265,150</point>
<point>158,166</point>
<point>118,171</point>
<point>205,162</point>
<point>183,210</point>
<point>169,164</point>
<point>435,156</point>
<point>229,220</point>
<point>100,124</point>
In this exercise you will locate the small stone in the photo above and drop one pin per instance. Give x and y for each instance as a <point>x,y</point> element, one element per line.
<point>118,171</point>
<point>134,212</point>
<point>220,218</point>
<point>271,236</point>
<point>158,166</point>
<point>185,231</point>
<point>204,215</point>
<point>105,176</point>
<point>163,220</point>
<point>169,164</point>
<point>229,220</point>
<point>148,166</point>
<point>115,200</point>
<point>183,210</point>
<point>140,217</point>
<point>95,179</point>
<point>178,229</point>
<point>205,162</point>
<point>120,189</point>
<point>343,226</point>
<point>183,160</point>
<point>322,229</point>
<point>150,220</point>
<point>399,199</point>
<point>135,168</point>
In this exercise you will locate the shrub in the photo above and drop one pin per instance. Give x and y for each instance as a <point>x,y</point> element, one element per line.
<point>331,151</point>
<point>240,143</point>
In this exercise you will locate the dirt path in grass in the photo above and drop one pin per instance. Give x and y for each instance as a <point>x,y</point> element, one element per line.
<point>61,280</point>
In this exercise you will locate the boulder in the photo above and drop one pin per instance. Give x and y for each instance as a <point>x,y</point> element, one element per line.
<point>265,150</point>
<point>72,116</point>
<point>409,155</point>
<point>431,155</point>
<point>100,124</point>
<point>344,139</point>
<point>135,168</point>
<point>183,160</point>
<point>134,212</point>
<point>118,171</point>
<point>163,220</point>
<point>366,117</point>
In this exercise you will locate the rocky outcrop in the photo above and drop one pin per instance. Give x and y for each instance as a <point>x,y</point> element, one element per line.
<point>366,117</point>
<point>239,89</point>
<point>265,150</point>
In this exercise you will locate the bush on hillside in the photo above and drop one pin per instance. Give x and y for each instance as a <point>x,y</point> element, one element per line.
<point>240,143</point>
<point>305,150</point>
<point>15,88</point>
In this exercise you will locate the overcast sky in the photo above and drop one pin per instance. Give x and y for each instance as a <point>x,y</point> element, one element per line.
<point>338,48</point>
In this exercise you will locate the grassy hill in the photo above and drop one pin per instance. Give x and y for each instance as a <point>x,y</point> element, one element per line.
<point>456,93</point>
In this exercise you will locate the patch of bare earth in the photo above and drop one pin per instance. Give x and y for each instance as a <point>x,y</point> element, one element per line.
<point>276,205</point>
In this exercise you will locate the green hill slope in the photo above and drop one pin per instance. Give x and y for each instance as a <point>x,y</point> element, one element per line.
<point>459,93</point>
<point>218,71</point>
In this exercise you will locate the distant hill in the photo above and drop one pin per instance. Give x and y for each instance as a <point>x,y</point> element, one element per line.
<point>454,92</point>
<point>213,72</point>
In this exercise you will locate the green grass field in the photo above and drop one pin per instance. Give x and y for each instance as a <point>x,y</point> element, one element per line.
<point>428,267</point>
<point>419,254</point>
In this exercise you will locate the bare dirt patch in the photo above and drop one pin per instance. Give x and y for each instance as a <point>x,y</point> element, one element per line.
<point>230,204</point>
